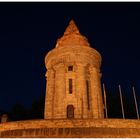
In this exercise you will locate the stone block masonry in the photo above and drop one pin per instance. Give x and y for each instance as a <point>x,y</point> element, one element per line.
<point>81,128</point>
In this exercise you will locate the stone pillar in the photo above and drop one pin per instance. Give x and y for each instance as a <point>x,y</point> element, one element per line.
<point>4,118</point>
<point>100,97</point>
<point>60,91</point>
<point>50,90</point>
<point>81,89</point>
<point>96,93</point>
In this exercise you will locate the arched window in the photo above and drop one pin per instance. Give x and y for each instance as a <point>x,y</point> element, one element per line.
<point>70,86</point>
<point>87,85</point>
<point>70,112</point>
<point>70,68</point>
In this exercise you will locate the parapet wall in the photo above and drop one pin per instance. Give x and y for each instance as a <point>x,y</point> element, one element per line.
<point>71,128</point>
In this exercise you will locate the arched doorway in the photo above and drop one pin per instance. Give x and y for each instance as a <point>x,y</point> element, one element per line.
<point>70,112</point>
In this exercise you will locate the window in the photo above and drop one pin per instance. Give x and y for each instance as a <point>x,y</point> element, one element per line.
<point>70,112</point>
<point>70,68</point>
<point>70,86</point>
<point>87,85</point>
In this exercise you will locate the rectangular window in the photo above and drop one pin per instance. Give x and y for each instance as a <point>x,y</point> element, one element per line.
<point>87,85</point>
<point>70,86</point>
<point>70,68</point>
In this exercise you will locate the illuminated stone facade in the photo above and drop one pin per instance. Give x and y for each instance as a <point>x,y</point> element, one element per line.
<point>73,75</point>
<point>73,103</point>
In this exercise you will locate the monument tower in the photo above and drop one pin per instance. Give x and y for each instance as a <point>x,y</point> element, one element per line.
<point>73,89</point>
<point>73,102</point>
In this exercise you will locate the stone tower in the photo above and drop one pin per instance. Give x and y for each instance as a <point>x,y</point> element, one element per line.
<point>73,75</point>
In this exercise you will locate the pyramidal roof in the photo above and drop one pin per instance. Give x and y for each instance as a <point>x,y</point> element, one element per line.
<point>72,28</point>
<point>72,37</point>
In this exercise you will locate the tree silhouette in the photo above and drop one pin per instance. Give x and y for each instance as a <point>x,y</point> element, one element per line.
<point>37,110</point>
<point>114,106</point>
<point>19,112</point>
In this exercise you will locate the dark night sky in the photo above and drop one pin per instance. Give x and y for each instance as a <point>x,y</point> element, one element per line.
<point>29,30</point>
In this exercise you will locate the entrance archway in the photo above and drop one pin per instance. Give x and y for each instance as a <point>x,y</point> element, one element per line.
<point>70,112</point>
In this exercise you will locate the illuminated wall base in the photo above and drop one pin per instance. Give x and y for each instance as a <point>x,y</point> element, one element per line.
<point>97,128</point>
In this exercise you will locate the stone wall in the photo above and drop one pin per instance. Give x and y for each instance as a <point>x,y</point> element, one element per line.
<point>72,128</point>
<point>86,64</point>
